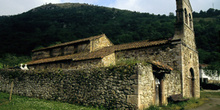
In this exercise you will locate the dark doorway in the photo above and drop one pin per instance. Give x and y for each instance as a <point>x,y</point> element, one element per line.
<point>157,92</point>
<point>192,83</point>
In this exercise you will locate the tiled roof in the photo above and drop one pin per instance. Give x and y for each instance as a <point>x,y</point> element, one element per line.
<point>75,57</point>
<point>100,53</point>
<point>160,65</point>
<point>139,44</point>
<point>72,42</point>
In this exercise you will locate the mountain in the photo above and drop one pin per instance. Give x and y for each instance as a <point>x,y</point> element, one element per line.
<point>56,23</point>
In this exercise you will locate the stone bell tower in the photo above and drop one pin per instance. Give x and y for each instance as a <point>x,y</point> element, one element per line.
<point>184,24</point>
<point>184,36</point>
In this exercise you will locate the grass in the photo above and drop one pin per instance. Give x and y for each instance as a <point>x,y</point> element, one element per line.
<point>190,104</point>
<point>26,103</point>
<point>205,94</point>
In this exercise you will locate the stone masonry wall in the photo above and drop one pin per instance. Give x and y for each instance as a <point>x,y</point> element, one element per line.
<point>111,87</point>
<point>146,86</point>
<point>100,43</point>
<point>166,54</point>
<point>40,54</point>
<point>69,50</point>
<point>109,60</point>
<point>190,72</point>
<point>70,64</point>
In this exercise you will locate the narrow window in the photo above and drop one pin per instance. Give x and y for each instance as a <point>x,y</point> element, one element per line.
<point>186,18</point>
<point>190,20</point>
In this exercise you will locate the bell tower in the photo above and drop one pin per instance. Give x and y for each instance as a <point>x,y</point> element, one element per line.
<point>184,24</point>
<point>184,37</point>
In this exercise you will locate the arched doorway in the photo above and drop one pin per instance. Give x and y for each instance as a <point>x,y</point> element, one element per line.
<point>192,83</point>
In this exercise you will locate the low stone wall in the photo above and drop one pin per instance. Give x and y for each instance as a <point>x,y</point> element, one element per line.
<point>111,87</point>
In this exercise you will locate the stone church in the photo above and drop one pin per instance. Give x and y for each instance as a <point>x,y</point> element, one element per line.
<point>175,65</point>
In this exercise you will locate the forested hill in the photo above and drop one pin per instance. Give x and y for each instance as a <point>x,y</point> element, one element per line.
<point>56,23</point>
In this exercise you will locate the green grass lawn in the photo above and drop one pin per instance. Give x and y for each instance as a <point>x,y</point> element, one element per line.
<point>26,103</point>
<point>207,94</point>
<point>192,103</point>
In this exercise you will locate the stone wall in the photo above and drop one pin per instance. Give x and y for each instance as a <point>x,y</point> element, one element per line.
<point>100,43</point>
<point>69,50</point>
<point>85,47</point>
<point>63,50</point>
<point>70,64</point>
<point>109,60</point>
<point>114,87</point>
<point>189,37</point>
<point>146,86</point>
<point>190,72</point>
<point>56,52</point>
<point>166,54</point>
<point>40,54</point>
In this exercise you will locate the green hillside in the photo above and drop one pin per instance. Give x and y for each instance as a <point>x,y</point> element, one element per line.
<point>56,23</point>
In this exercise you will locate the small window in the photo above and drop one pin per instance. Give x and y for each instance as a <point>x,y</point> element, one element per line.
<point>190,20</point>
<point>186,16</point>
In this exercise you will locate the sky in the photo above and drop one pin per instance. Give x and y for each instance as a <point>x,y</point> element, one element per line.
<point>13,7</point>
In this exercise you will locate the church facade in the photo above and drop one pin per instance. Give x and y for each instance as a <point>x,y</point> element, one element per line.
<point>175,65</point>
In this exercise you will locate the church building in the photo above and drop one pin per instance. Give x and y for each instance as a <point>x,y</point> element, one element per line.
<point>175,64</point>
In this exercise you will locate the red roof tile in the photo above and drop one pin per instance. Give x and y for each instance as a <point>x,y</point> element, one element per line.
<point>161,66</point>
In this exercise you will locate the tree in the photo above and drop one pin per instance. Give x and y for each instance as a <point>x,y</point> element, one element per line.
<point>10,60</point>
<point>213,70</point>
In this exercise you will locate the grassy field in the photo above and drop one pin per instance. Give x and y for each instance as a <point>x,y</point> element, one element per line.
<point>25,103</point>
<point>207,94</point>
<point>190,104</point>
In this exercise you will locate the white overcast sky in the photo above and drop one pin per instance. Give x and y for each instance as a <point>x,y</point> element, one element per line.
<point>12,7</point>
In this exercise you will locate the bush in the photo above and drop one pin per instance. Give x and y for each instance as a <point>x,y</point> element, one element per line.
<point>210,86</point>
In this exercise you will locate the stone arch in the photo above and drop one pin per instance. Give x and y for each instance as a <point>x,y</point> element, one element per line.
<point>186,16</point>
<point>192,83</point>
